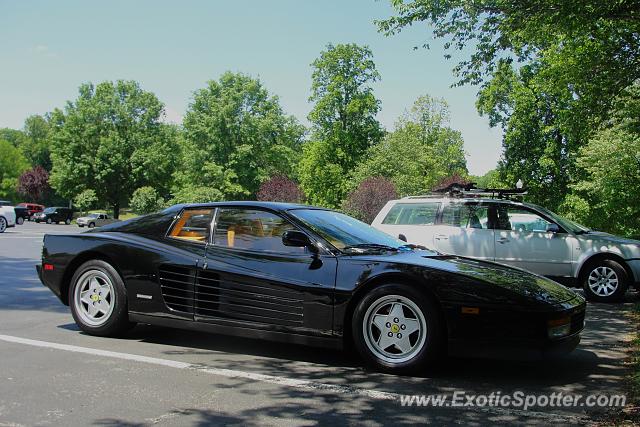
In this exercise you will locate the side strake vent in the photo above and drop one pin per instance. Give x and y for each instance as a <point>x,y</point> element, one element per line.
<point>176,284</point>
<point>218,295</point>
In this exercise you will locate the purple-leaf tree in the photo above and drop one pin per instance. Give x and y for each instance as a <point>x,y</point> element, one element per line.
<point>369,197</point>
<point>34,184</point>
<point>279,188</point>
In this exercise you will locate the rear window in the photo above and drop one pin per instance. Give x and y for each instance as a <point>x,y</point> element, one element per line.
<point>413,214</point>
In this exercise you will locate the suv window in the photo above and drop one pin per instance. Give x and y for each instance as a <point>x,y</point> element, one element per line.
<point>466,215</point>
<point>413,214</point>
<point>193,225</point>
<point>252,230</point>
<point>523,220</point>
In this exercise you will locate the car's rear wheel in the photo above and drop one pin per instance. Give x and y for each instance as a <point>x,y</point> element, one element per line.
<point>397,329</point>
<point>68,221</point>
<point>605,281</point>
<point>20,220</point>
<point>3,224</point>
<point>98,299</point>
<point>49,221</point>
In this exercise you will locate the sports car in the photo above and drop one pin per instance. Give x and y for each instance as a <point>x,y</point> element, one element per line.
<point>305,275</point>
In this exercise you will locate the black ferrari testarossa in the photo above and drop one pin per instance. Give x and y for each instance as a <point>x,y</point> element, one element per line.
<point>305,275</point>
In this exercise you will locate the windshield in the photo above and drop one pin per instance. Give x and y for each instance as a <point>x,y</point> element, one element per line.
<point>346,233</point>
<point>49,210</point>
<point>94,215</point>
<point>567,224</point>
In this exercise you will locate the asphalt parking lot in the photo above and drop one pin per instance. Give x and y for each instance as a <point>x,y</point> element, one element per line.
<point>52,374</point>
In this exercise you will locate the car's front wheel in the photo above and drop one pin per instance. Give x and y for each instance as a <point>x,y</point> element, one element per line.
<point>397,329</point>
<point>98,299</point>
<point>49,221</point>
<point>20,220</point>
<point>3,224</point>
<point>91,225</point>
<point>605,281</point>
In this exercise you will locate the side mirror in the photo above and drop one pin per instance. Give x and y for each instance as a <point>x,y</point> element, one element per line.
<point>297,239</point>
<point>402,237</point>
<point>553,228</point>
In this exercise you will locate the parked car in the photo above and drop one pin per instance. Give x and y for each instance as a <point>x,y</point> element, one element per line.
<point>54,215</point>
<point>22,214</point>
<point>520,234</point>
<point>6,203</point>
<point>95,220</point>
<point>33,208</point>
<point>304,275</point>
<point>7,217</point>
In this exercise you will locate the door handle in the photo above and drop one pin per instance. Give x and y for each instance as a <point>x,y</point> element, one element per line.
<point>441,237</point>
<point>503,240</point>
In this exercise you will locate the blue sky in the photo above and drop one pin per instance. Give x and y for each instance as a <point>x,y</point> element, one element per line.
<point>172,48</point>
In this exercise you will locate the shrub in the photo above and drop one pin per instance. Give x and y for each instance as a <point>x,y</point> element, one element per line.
<point>145,200</point>
<point>279,188</point>
<point>369,198</point>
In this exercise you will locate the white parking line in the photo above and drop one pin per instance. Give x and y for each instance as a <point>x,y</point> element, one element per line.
<point>228,373</point>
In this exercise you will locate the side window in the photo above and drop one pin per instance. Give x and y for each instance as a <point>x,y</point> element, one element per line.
<point>522,220</point>
<point>193,225</point>
<point>413,214</point>
<point>466,215</point>
<point>252,230</point>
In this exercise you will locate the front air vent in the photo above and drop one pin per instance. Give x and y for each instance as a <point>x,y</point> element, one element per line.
<point>176,284</point>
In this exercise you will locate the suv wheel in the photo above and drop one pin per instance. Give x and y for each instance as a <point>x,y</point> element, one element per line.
<point>98,299</point>
<point>49,221</point>
<point>397,329</point>
<point>68,221</point>
<point>20,220</point>
<point>605,281</point>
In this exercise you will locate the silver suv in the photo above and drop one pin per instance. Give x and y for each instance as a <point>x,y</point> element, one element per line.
<point>519,234</point>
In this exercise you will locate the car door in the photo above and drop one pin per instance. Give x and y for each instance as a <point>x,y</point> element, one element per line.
<point>465,230</point>
<point>251,279</point>
<point>415,220</point>
<point>524,238</point>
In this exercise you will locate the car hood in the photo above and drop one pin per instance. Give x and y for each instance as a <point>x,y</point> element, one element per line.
<point>608,238</point>
<point>512,280</point>
<point>85,218</point>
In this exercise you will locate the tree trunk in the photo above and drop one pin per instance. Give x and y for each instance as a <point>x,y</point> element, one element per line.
<point>116,210</point>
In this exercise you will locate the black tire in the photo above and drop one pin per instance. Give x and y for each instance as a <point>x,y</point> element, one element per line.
<point>68,221</point>
<point>91,225</point>
<point>49,221</point>
<point>433,346</point>
<point>594,268</point>
<point>20,220</point>
<point>3,224</point>
<point>118,320</point>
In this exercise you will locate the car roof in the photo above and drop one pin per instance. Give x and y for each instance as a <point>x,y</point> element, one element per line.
<point>275,206</point>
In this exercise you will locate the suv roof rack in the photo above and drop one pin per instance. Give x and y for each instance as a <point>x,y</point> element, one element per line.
<point>470,190</point>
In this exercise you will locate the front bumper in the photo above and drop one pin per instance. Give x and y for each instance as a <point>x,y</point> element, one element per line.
<point>634,266</point>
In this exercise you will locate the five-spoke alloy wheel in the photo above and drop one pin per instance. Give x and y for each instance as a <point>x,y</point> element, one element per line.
<point>397,328</point>
<point>98,299</point>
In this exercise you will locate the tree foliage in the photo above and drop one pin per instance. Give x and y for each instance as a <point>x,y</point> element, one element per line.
<point>421,151</point>
<point>369,198</point>
<point>145,200</point>
<point>12,164</point>
<point>343,118</point>
<point>607,197</point>
<point>279,188</point>
<point>238,135</point>
<point>85,200</point>
<point>111,140</point>
<point>34,184</point>
<point>36,142</point>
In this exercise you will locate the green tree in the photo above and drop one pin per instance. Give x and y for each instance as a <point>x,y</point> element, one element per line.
<point>491,179</point>
<point>85,200</point>
<point>12,164</point>
<point>36,143</point>
<point>607,196</point>
<point>15,137</point>
<point>111,140</point>
<point>343,118</point>
<point>421,150</point>
<point>238,134</point>
<point>145,200</point>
